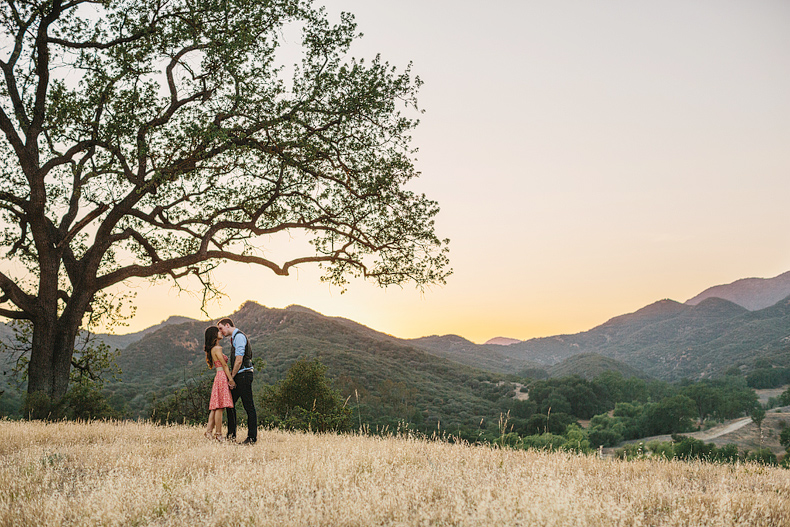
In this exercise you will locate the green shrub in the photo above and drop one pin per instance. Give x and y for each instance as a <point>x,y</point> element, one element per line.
<point>727,454</point>
<point>577,440</point>
<point>546,441</point>
<point>305,400</point>
<point>687,448</point>
<point>631,451</point>
<point>763,456</point>
<point>784,438</point>
<point>85,401</point>
<point>187,405</point>
<point>663,449</point>
<point>38,405</point>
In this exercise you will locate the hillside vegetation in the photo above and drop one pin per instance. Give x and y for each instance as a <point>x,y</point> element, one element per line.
<point>134,473</point>
<point>591,365</point>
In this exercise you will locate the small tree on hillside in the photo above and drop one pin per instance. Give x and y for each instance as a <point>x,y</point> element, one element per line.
<point>305,400</point>
<point>784,438</point>
<point>758,415</point>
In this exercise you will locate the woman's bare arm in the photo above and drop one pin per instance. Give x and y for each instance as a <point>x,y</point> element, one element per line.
<point>216,354</point>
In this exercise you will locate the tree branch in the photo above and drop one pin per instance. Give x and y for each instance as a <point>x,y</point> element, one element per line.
<point>67,157</point>
<point>166,266</point>
<point>98,211</point>
<point>8,68</point>
<point>24,301</point>
<point>42,72</point>
<point>140,239</point>
<point>15,315</point>
<point>101,45</point>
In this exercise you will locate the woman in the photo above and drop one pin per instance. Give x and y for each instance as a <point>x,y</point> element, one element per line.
<point>223,382</point>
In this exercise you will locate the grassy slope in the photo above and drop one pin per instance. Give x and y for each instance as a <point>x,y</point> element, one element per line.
<point>138,474</point>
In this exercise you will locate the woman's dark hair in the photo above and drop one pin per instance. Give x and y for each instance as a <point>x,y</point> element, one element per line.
<point>212,335</point>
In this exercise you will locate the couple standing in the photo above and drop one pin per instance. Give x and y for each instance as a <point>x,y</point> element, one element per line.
<point>229,385</point>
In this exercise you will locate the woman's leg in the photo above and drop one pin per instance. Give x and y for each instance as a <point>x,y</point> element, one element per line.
<point>210,426</point>
<point>218,423</point>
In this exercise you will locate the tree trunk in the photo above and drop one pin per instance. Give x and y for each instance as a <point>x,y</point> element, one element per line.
<point>50,364</point>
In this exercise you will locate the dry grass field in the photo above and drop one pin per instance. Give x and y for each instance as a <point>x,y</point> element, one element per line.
<point>132,473</point>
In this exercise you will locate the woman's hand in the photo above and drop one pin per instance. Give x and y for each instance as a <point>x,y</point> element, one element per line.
<point>232,384</point>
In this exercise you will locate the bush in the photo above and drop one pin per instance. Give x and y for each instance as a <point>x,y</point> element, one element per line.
<point>187,405</point>
<point>38,405</point>
<point>763,456</point>
<point>304,400</point>
<point>604,437</point>
<point>546,441</point>
<point>728,454</point>
<point>85,401</point>
<point>663,449</point>
<point>687,448</point>
<point>577,440</point>
<point>631,451</point>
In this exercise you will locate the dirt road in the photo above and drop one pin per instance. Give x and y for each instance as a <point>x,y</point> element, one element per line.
<point>720,430</point>
<point>716,431</point>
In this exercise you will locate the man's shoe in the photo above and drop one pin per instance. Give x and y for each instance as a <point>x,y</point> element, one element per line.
<point>249,441</point>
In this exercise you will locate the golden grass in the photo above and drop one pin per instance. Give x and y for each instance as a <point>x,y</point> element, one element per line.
<point>130,473</point>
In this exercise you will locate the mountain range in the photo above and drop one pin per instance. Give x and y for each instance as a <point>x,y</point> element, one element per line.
<point>752,293</point>
<point>726,325</point>
<point>669,340</point>
<point>664,340</point>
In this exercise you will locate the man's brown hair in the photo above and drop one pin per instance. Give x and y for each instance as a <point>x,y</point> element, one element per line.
<point>226,322</point>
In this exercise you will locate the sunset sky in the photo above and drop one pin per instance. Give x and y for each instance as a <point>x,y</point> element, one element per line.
<point>589,158</point>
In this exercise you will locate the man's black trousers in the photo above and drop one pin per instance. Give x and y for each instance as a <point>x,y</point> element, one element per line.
<point>243,390</point>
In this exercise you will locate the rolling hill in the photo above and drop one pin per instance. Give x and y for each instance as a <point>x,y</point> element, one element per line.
<point>490,357</point>
<point>591,365</point>
<point>393,380</point>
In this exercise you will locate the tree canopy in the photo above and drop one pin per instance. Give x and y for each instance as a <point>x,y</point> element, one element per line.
<point>156,139</point>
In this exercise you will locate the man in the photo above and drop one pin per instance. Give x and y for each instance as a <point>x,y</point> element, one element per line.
<point>241,371</point>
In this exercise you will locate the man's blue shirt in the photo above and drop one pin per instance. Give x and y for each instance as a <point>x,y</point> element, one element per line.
<point>239,346</point>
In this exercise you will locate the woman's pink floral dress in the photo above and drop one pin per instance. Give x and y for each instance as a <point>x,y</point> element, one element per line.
<point>220,392</point>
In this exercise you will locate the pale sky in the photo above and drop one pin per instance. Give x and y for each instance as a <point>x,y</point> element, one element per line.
<point>589,158</point>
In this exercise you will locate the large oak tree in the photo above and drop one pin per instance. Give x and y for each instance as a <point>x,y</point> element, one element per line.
<point>158,138</point>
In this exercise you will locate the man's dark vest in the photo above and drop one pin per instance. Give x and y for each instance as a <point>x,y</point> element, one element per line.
<point>246,361</point>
